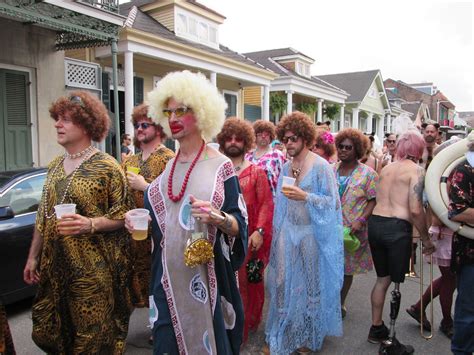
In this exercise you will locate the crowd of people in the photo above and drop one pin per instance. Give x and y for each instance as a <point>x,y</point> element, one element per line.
<point>270,210</point>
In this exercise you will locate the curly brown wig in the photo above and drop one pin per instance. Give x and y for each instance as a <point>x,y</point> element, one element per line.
<point>359,140</point>
<point>260,126</point>
<point>140,113</point>
<point>323,143</point>
<point>241,128</point>
<point>86,111</point>
<point>300,124</point>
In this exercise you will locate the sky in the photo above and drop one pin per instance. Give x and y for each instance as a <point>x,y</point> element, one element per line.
<point>412,41</point>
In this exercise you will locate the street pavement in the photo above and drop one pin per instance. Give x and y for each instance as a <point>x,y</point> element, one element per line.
<point>354,340</point>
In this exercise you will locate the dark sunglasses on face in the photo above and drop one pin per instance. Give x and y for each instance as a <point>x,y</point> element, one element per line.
<point>180,111</point>
<point>391,141</point>
<point>293,138</point>
<point>347,147</point>
<point>237,139</point>
<point>143,125</point>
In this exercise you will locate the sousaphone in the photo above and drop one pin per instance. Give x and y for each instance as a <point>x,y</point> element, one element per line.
<point>436,183</point>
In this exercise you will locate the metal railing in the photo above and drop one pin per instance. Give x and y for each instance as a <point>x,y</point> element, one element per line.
<point>107,5</point>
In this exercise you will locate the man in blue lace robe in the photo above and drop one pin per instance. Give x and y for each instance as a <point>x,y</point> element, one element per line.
<point>305,272</point>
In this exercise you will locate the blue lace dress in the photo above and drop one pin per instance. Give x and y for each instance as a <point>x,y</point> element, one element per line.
<point>306,267</point>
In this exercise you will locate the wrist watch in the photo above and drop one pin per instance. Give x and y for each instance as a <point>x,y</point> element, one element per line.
<point>261,231</point>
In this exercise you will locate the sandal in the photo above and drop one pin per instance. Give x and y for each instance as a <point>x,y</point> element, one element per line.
<point>415,314</point>
<point>446,330</point>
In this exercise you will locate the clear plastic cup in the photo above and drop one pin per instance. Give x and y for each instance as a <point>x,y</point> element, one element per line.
<point>287,181</point>
<point>139,219</point>
<point>133,169</point>
<point>65,208</point>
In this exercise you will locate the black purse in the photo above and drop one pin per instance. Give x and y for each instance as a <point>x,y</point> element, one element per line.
<point>254,269</point>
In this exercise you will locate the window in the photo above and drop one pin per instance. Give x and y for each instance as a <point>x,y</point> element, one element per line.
<point>213,34</point>
<point>182,24</point>
<point>192,26</point>
<point>373,92</point>
<point>25,196</point>
<point>299,68</point>
<point>203,32</point>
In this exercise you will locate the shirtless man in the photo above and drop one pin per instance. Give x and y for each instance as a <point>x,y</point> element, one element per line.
<point>399,207</point>
<point>430,135</point>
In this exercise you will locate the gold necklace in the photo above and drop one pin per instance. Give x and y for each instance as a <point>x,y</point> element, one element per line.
<point>44,198</point>
<point>297,171</point>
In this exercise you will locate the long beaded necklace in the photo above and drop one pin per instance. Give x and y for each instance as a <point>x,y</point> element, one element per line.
<point>186,177</point>
<point>49,181</point>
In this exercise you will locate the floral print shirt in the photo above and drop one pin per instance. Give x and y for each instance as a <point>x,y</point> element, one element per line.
<point>272,162</point>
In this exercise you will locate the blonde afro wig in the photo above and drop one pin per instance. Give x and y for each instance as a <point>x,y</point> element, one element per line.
<point>194,91</point>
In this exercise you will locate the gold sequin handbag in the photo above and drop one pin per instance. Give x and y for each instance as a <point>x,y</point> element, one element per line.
<point>199,249</point>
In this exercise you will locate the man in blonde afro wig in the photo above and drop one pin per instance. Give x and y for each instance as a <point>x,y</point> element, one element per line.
<point>195,92</point>
<point>199,226</point>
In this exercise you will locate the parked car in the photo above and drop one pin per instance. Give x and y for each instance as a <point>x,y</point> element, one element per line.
<point>20,194</point>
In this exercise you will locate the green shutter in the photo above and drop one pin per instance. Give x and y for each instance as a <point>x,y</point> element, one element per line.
<point>16,120</point>
<point>137,91</point>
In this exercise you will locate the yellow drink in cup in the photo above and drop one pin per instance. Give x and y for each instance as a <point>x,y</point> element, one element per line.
<point>133,169</point>
<point>140,234</point>
<point>139,219</point>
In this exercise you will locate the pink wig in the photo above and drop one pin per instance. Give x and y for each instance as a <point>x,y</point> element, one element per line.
<point>410,145</point>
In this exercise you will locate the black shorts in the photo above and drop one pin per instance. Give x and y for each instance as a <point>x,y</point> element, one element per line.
<point>390,241</point>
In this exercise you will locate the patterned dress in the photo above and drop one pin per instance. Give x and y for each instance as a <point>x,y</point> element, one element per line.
<point>461,197</point>
<point>6,342</point>
<point>259,201</point>
<point>150,169</point>
<point>360,189</point>
<point>305,271</point>
<point>272,162</point>
<point>196,310</point>
<point>83,301</point>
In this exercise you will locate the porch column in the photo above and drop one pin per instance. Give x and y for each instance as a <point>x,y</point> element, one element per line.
<point>129,91</point>
<point>370,116</point>
<point>213,78</point>
<point>380,132</point>
<point>266,103</point>
<point>355,117</point>
<point>389,123</point>
<point>114,49</point>
<point>341,117</point>
<point>320,110</point>
<point>289,99</point>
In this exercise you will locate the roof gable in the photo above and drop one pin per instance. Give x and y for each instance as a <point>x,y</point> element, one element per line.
<point>356,84</point>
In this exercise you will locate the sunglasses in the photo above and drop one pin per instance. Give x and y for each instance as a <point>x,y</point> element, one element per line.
<point>143,125</point>
<point>293,138</point>
<point>77,100</point>
<point>391,141</point>
<point>180,111</point>
<point>347,147</point>
<point>237,139</point>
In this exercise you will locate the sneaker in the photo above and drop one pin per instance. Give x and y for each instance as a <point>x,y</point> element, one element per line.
<point>377,334</point>
<point>446,329</point>
<point>415,314</point>
<point>394,347</point>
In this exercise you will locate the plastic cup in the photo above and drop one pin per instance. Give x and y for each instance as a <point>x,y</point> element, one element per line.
<point>133,169</point>
<point>215,146</point>
<point>64,208</point>
<point>139,219</point>
<point>287,181</point>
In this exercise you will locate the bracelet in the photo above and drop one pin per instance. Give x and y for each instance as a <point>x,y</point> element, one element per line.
<point>361,219</point>
<point>226,223</point>
<point>92,226</point>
